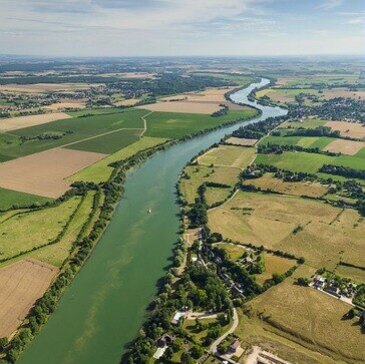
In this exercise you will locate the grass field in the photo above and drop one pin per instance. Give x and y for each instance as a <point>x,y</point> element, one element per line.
<point>10,198</point>
<point>29,230</point>
<point>308,162</point>
<point>269,182</point>
<point>319,232</point>
<point>100,172</point>
<point>274,264</point>
<point>109,143</point>
<point>94,111</point>
<point>306,142</point>
<point>215,195</point>
<point>67,131</point>
<point>226,155</point>
<point>310,318</point>
<point>307,124</point>
<point>178,125</point>
<point>234,251</point>
<point>200,174</point>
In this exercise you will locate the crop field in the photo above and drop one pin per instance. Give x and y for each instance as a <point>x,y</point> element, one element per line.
<point>241,141</point>
<point>353,130</point>
<point>269,182</point>
<point>234,251</point>
<point>200,174</point>
<point>310,318</point>
<point>228,156</point>
<point>109,143</point>
<point>64,132</point>
<point>9,198</point>
<point>44,173</point>
<point>94,111</point>
<point>30,230</point>
<point>349,147</point>
<point>306,124</point>
<point>215,195</point>
<point>67,104</point>
<point>178,125</point>
<point>306,142</point>
<point>308,162</point>
<point>274,264</point>
<point>210,95</point>
<point>183,107</point>
<point>328,79</point>
<point>320,233</point>
<point>20,122</point>
<point>100,171</point>
<point>23,283</point>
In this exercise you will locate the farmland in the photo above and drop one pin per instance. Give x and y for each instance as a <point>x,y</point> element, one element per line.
<point>25,282</point>
<point>10,198</point>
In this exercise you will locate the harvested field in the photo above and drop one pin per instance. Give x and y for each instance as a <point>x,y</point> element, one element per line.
<point>21,122</point>
<point>343,146</point>
<point>128,102</point>
<point>45,87</point>
<point>226,155</point>
<point>21,284</point>
<point>352,130</point>
<point>137,75</point>
<point>214,95</point>
<point>200,174</point>
<point>183,107</point>
<point>44,173</point>
<point>269,182</point>
<point>69,104</point>
<point>311,318</point>
<point>320,233</point>
<point>241,141</point>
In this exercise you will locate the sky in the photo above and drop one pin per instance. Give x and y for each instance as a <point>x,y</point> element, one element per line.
<point>181,27</point>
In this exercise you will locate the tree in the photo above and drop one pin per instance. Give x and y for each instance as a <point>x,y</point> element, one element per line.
<point>3,343</point>
<point>196,351</point>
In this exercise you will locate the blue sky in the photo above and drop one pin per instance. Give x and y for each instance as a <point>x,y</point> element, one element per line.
<point>181,27</point>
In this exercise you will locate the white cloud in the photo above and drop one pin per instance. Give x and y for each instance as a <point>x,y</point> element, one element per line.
<point>330,4</point>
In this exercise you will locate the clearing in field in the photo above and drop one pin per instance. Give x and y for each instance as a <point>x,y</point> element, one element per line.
<point>344,146</point>
<point>228,156</point>
<point>310,318</point>
<point>44,173</point>
<point>197,175</point>
<point>319,232</point>
<point>21,284</point>
<point>21,122</point>
<point>269,182</point>
<point>100,171</point>
<point>241,141</point>
<point>352,130</point>
<point>183,107</point>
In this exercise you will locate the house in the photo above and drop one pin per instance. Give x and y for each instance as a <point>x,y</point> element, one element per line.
<point>332,290</point>
<point>234,346</point>
<point>319,282</point>
<point>177,317</point>
<point>162,344</point>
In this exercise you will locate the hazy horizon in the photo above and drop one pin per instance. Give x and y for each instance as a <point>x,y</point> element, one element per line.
<point>160,28</point>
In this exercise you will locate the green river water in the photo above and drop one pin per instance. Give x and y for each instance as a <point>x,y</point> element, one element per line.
<point>105,305</point>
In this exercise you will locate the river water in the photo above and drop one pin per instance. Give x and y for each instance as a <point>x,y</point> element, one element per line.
<point>105,305</point>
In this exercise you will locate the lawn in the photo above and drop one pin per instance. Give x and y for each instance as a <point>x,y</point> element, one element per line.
<point>178,125</point>
<point>310,318</point>
<point>32,229</point>
<point>197,175</point>
<point>109,143</point>
<point>100,171</point>
<point>10,198</point>
<point>319,232</point>
<point>226,155</point>
<point>66,131</point>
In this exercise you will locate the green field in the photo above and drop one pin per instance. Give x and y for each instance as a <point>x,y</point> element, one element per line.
<point>100,171</point>
<point>178,125</point>
<point>10,198</point>
<point>306,142</point>
<point>307,124</point>
<point>308,162</point>
<point>95,111</point>
<point>69,130</point>
<point>29,230</point>
<point>109,143</point>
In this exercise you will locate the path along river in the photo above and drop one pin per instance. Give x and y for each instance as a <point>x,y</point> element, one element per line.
<point>104,307</point>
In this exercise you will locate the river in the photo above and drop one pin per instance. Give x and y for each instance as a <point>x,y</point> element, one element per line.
<point>105,305</point>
